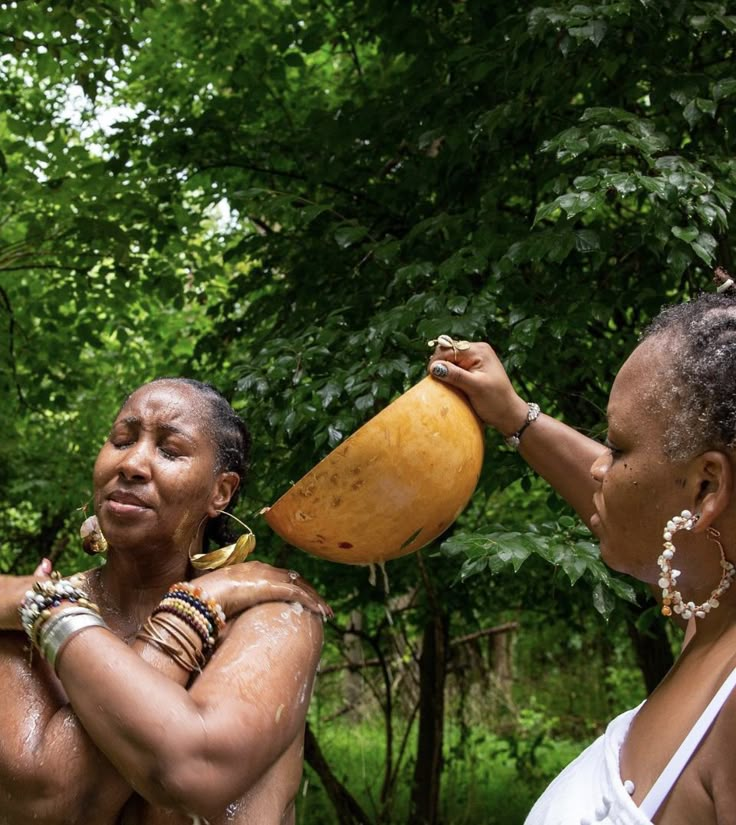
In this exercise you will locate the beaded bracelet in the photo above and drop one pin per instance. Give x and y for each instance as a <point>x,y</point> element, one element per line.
<point>199,599</point>
<point>181,608</point>
<point>36,606</point>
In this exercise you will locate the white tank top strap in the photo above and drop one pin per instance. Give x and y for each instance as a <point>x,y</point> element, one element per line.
<point>666,781</point>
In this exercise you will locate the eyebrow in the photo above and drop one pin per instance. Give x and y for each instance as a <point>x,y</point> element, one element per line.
<point>135,421</point>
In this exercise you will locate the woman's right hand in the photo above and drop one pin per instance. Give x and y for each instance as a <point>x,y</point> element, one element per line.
<point>478,372</point>
<point>12,593</point>
<point>241,586</point>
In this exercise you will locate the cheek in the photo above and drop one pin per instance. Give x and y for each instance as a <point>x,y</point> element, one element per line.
<point>102,469</point>
<point>185,484</point>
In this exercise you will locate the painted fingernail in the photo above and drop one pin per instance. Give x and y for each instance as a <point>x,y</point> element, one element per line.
<point>439,371</point>
<point>46,565</point>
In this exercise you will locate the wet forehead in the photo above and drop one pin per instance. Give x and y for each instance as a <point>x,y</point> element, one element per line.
<point>167,405</point>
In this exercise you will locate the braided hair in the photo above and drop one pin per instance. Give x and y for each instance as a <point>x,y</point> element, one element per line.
<point>701,384</point>
<point>232,443</point>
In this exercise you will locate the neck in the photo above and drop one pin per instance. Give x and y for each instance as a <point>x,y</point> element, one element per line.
<point>129,588</point>
<point>715,626</point>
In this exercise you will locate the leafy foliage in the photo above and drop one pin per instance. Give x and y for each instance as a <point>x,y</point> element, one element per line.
<point>291,198</point>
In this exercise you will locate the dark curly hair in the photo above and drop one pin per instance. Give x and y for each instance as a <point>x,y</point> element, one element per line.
<point>232,451</point>
<point>701,384</point>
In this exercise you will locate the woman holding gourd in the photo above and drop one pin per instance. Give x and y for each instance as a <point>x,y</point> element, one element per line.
<point>660,497</point>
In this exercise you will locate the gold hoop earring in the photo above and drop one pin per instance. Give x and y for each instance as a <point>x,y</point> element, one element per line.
<point>226,556</point>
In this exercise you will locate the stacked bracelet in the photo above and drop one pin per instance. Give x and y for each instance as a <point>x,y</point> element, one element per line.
<point>37,603</point>
<point>50,629</point>
<point>191,605</point>
<point>188,653</point>
<point>62,626</point>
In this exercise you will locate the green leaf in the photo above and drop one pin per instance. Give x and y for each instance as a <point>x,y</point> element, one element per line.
<point>458,304</point>
<point>576,202</point>
<point>346,236</point>
<point>586,240</point>
<point>312,211</point>
<point>685,233</point>
<point>724,88</point>
<point>594,31</point>
<point>603,600</point>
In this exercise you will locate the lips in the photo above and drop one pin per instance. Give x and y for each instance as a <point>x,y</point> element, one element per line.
<point>123,501</point>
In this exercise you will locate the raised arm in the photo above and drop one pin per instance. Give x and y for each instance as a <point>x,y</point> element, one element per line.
<point>560,454</point>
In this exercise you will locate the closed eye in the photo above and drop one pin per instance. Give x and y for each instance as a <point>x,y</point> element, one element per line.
<point>121,444</point>
<point>615,452</point>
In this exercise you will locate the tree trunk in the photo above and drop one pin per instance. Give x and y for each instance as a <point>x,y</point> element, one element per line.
<point>432,672</point>
<point>347,808</point>
<point>502,673</point>
<point>653,652</point>
<point>353,684</point>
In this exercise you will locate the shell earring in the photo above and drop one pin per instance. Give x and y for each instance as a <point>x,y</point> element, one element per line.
<point>94,542</point>
<point>672,601</point>
<point>225,556</point>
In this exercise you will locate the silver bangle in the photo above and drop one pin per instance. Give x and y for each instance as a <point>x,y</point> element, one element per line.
<point>59,630</point>
<point>53,620</point>
<point>532,415</point>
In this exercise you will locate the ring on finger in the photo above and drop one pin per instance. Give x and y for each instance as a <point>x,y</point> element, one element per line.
<point>293,575</point>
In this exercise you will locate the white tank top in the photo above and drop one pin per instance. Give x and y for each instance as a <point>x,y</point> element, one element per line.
<point>661,788</point>
<point>590,790</point>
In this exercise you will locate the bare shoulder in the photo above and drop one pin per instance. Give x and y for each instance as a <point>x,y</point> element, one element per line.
<point>269,655</point>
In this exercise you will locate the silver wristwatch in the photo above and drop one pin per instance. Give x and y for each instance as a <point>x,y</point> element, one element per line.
<point>531,415</point>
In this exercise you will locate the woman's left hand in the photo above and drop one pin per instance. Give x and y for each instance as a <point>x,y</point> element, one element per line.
<point>244,585</point>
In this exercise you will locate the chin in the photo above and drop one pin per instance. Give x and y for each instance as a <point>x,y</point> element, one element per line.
<point>608,557</point>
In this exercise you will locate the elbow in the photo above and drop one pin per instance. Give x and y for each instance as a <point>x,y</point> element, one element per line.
<point>39,798</point>
<point>194,786</point>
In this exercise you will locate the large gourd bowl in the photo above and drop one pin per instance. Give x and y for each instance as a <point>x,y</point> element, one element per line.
<point>393,486</point>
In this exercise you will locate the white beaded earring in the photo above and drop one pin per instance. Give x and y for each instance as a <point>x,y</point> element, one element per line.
<point>672,600</point>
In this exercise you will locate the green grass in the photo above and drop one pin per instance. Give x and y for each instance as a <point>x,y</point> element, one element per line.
<point>486,778</point>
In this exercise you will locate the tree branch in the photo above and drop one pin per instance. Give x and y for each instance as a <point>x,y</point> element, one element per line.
<point>11,346</point>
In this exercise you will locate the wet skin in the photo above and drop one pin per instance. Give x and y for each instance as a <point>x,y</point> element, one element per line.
<point>124,734</point>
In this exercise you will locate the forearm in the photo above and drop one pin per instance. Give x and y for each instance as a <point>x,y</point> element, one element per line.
<point>560,454</point>
<point>563,457</point>
<point>132,702</point>
<point>196,750</point>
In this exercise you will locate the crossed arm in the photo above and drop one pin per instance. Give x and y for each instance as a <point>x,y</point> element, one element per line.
<point>121,719</point>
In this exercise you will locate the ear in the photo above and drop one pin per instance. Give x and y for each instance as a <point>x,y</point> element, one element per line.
<point>222,491</point>
<point>712,480</point>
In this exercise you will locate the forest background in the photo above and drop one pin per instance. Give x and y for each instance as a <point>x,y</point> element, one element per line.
<point>289,199</point>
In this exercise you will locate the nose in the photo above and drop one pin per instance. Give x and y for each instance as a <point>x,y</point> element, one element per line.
<point>135,462</point>
<point>599,467</point>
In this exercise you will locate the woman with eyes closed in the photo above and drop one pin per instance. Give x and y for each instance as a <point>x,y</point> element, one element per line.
<point>660,498</point>
<point>155,696</point>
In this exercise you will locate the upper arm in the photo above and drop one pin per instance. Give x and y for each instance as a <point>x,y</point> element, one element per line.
<point>252,700</point>
<point>47,762</point>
